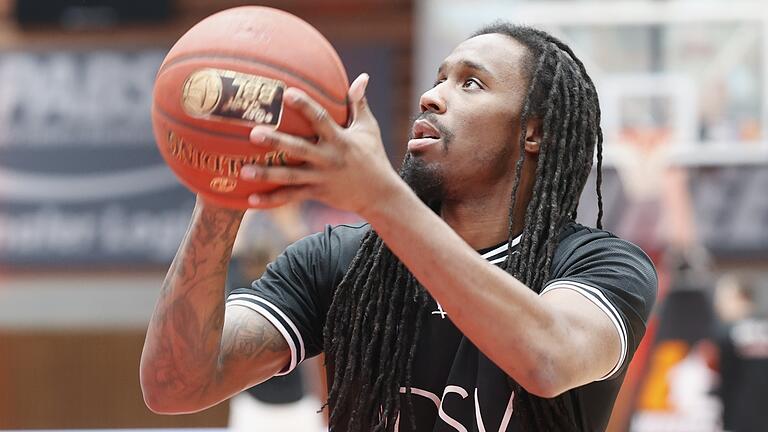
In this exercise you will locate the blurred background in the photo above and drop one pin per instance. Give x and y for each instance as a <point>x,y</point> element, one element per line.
<point>90,217</point>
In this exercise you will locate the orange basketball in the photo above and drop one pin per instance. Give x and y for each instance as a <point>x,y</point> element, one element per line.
<point>226,75</point>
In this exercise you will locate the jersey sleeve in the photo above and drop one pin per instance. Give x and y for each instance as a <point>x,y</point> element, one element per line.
<point>295,291</point>
<point>615,275</point>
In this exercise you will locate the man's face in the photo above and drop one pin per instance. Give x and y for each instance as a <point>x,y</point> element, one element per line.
<point>466,138</point>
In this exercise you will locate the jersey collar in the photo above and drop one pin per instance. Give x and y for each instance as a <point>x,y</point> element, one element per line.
<point>499,253</point>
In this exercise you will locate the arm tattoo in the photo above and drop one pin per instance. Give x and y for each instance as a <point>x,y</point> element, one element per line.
<point>184,337</point>
<point>251,336</point>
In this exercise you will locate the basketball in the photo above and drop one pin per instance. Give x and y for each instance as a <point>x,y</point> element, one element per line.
<point>228,74</point>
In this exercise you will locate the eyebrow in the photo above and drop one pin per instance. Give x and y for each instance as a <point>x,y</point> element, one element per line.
<point>468,64</point>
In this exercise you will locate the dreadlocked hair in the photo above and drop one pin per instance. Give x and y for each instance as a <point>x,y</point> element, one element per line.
<point>562,95</point>
<point>373,324</point>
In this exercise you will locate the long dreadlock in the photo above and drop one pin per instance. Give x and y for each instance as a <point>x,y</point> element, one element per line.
<point>374,320</point>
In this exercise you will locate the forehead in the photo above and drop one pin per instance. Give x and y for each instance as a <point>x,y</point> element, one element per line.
<point>501,55</point>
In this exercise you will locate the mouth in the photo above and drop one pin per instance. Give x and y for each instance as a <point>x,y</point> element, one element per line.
<point>424,135</point>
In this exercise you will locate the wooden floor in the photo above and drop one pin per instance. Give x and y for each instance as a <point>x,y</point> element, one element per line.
<point>80,379</point>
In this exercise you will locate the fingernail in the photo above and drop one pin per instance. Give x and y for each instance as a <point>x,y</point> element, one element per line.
<point>358,94</point>
<point>359,91</point>
<point>290,95</point>
<point>258,135</point>
<point>248,171</point>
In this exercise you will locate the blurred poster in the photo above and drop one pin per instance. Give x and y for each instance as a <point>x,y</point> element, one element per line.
<point>731,208</point>
<point>729,205</point>
<point>81,181</point>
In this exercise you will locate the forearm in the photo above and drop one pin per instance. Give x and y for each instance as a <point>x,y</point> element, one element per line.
<point>183,343</point>
<point>503,317</point>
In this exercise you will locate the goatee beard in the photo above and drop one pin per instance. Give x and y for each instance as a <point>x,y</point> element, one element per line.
<point>426,181</point>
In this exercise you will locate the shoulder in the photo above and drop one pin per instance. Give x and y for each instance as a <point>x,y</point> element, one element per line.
<point>599,260</point>
<point>333,237</point>
<point>329,251</point>
<point>574,235</point>
<point>348,235</point>
<point>614,274</point>
<point>579,243</point>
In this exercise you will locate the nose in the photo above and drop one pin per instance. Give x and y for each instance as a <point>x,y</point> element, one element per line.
<point>432,100</point>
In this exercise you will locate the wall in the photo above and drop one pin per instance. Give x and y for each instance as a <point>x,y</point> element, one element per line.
<point>70,339</point>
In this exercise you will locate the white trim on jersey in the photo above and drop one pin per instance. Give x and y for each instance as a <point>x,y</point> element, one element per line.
<point>260,305</point>
<point>494,257</point>
<point>502,248</point>
<point>271,318</point>
<point>498,250</point>
<point>598,298</point>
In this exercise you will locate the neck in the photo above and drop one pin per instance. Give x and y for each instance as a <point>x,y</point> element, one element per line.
<point>482,221</point>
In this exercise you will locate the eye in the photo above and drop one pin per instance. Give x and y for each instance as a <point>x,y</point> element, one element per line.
<point>437,82</point>
<point>471,83</point>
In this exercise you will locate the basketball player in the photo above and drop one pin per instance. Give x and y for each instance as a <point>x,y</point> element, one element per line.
<point>470,301</point>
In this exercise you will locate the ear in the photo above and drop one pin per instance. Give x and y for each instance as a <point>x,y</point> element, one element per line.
<point>533,135</point>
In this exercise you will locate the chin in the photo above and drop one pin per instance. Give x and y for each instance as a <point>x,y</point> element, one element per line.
<point>425,178</point>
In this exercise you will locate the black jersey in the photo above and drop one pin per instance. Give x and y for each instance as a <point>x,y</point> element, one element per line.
<point>454,386</point>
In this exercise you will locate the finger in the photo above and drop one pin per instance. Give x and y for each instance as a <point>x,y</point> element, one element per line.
<point>296,147</point>
<point>280,196</point>
<point>358,103</point>
<point>318,117</point>
<point>288,176</point>
<point>355,93</point>
<point>357,88</point>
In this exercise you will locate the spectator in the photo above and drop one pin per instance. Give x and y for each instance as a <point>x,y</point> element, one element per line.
<point>743,346</point>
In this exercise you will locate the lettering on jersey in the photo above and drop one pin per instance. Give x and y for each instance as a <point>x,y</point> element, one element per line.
<point>504,420</point>
<point>455,424</point>
<point>441,412</point>
<point>440,311</point>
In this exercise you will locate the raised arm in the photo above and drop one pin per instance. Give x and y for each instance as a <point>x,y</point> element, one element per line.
<point>196,353</point>
<point>548,344</point>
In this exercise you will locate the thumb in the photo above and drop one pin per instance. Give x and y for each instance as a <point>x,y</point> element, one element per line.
<point>358,104</point>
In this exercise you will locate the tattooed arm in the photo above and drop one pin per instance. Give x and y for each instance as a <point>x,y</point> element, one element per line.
<point>196,355</point>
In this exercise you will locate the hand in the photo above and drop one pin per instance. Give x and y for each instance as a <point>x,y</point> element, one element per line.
<point>347,168</point>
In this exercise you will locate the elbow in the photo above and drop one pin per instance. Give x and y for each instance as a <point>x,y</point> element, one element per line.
<point>160,403</point>
<point>544,387</point>
<point>543,379</point>
<point>156,400</point>
<point>156,403</point>
<point>160,400</point>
